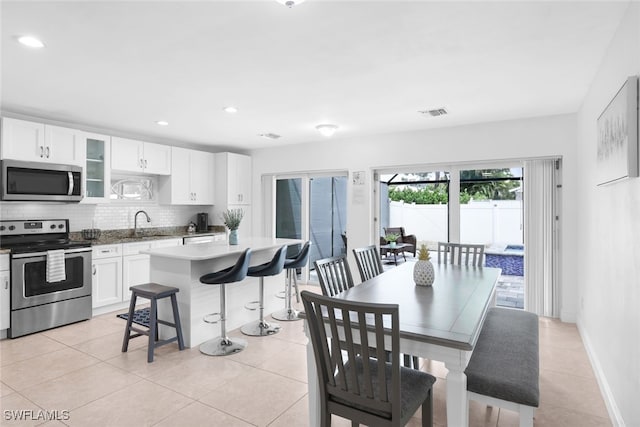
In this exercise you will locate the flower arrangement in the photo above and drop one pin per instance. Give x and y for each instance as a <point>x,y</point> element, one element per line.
<point>232,218</point>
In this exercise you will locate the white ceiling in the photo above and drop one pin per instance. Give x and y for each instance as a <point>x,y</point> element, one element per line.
<point>367,66</point>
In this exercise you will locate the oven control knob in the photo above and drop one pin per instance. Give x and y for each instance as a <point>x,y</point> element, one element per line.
<point>12,227</point>
<point>53,226</point>
<point>2,227</point>
<point>60,225</point>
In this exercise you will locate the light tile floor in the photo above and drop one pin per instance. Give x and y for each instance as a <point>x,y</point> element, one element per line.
<point>79,368</point>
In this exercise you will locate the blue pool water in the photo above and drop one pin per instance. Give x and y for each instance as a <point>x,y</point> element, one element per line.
<point>510,260</point>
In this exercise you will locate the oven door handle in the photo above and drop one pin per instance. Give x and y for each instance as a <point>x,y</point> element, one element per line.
<point>70,175</point>
<point>44,253</point>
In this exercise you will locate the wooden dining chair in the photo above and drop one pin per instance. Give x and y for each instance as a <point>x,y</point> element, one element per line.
<point>460,254</point>
<point>360,386</point>
<point>368,261</point>
<point>334,275</point>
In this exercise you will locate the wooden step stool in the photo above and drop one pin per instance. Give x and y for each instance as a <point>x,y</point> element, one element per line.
<point>153,292</point>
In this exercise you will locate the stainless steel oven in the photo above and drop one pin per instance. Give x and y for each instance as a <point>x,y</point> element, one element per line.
<point>36,302</point>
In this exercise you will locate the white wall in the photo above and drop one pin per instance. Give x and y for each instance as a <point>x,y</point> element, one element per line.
<point>516,139</point>
<point>609,242</point>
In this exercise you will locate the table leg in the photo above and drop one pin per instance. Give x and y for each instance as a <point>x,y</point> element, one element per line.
<point>395,257</point>
<point>313,384</point>
<point>457,404</point>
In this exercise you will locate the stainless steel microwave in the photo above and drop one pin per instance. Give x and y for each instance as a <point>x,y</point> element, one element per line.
<point>33,181</point>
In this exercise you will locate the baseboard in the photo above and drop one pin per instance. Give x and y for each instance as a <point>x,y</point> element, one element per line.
<point>609,401</point>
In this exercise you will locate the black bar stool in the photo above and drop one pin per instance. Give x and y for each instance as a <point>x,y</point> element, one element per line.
<point>223,345</point>
<point>153,292</point>
<point>291,264</point>
<point>260,327</point>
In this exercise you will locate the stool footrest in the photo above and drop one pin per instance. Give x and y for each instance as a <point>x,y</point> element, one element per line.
<point>248,305</point>
<point>206,318</point>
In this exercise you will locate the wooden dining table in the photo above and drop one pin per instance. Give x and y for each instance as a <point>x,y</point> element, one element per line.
<point>440,322</point>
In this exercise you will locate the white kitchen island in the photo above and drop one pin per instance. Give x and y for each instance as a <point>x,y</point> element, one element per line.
<point>182,267</point>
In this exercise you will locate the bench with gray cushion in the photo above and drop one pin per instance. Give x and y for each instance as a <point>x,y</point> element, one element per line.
<point>503,369</point>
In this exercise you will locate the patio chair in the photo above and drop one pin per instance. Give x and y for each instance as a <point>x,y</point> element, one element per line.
<point>460,254</point>
<point>368,261</point>
<point>361,386</point>
<point>334,275</point>
<point>409,239</point>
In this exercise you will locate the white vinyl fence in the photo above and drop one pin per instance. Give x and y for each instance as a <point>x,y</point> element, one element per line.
<point>491,222</point>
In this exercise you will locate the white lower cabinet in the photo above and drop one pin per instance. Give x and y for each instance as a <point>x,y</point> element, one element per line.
<point>106,286</point>
<point>5,292</point>
<point>135,271</point>
<point>118,267</point>
<point>136,266</point>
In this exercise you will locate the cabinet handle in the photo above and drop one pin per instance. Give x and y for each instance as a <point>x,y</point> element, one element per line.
<point>6,283</point>
<point>41,151</point>
<point>47,151</point>
<point>145,163</point>
<point>195,196</point>
<point>141,164</point>
<point>94,269</point>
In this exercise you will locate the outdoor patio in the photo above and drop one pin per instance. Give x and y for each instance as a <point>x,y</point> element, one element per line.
<point>509,291</point>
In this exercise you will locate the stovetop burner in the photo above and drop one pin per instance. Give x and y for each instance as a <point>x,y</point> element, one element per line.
<point>37,236</point>
<point>44,246</point>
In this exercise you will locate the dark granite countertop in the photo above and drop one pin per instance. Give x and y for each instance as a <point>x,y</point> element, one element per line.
<point>111,237</point>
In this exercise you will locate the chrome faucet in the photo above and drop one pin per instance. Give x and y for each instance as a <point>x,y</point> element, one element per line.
<point>135,221</point>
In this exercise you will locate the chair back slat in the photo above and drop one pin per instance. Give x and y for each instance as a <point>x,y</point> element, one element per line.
<point>368,261</point>
<point>334,275</point>
<point>460,254</point>
<point>353,377</point>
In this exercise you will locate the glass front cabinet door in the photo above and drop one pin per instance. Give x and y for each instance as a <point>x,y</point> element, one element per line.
<point>97,168</point>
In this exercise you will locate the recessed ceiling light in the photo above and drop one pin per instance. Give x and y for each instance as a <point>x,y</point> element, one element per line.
<point>230,110</point>
<point>30,41</point>
<point>162,123</point>
<point>327,129</point>
<point>270,135</point>
<point>290,3</point>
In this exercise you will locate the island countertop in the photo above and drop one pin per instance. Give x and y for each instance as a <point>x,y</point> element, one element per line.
<point>183,266</point>
<point>205,251</point>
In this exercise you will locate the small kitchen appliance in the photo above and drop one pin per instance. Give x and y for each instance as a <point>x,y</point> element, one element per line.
<point>203,222</point>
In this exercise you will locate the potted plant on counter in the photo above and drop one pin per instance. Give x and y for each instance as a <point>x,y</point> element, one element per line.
<point>232,219</point>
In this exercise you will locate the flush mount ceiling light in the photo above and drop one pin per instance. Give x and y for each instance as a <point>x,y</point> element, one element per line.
<point>30,41</point>
<point>162,123</point>
<point>327,129</point>
<point>290,3</point>
<point>230,110</point>
<point>270,135</point>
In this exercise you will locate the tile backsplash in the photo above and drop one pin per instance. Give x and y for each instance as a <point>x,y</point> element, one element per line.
<point>107,216</point>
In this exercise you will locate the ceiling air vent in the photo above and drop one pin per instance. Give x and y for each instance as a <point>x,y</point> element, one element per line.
<point>269,135</point>
<point>434,113</point>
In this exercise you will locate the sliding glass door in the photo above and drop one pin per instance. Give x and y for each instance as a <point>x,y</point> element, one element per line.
<point>313,207</point>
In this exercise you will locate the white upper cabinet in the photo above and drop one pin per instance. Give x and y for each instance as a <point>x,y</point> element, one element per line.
<point>157,159</point>
<point>97,170</point>
<point>233,179</point>
<point>191,181</point>
<point>129,155</point>
<point>37,142</point>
